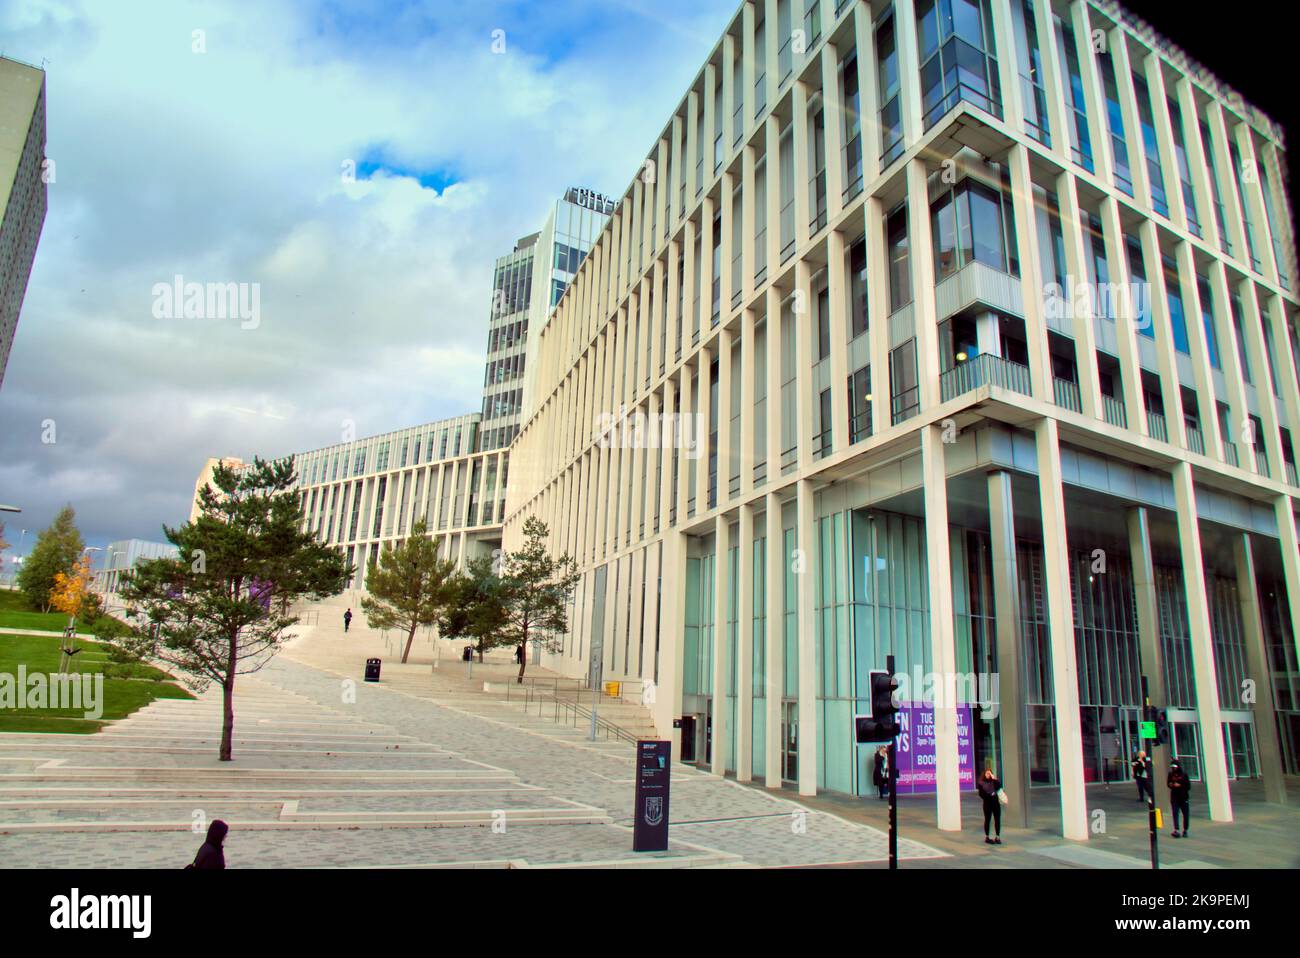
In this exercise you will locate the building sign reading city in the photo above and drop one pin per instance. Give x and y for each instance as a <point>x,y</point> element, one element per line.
<point>916,758</point>
<point>590,199</point>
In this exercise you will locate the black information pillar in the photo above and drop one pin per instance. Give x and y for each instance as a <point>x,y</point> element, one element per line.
<point>653,766</point>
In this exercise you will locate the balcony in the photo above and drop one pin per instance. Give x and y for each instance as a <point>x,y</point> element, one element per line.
<point>1156,426</point>
<point>1113,410</point>
<point>1195,441</point>
<point>1067,395</point>
<point>978,284</point>
<point>1291,478</point>
<point>1230,453</point>
<point>984,370</point>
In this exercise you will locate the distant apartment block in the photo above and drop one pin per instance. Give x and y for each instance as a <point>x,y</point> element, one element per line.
<point>22,189</point>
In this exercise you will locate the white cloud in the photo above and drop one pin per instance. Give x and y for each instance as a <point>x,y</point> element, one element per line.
<point>227,166</point>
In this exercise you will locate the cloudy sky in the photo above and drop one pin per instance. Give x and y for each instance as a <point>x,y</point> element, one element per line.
<point>222,156</point>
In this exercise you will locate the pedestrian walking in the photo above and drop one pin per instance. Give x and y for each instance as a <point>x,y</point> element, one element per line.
<point>1142,775</point>
<point>347,619</point>
<point>519,654</point>
<point>880,773</point>
<point>211,854</point>
<point>991,794</point>
<point>1180,794</point>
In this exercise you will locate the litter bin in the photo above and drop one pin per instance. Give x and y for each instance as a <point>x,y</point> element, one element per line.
<point>613,688</point>
<point>372,670</point>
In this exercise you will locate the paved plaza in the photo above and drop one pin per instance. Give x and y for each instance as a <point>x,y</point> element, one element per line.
<point>333,772</point>
<point>426,768</point>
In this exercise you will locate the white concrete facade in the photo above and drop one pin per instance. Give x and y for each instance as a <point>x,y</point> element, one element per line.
<point>799,257</point>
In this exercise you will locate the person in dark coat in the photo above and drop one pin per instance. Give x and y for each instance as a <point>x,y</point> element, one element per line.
<point>879,773</point>
<point>1180,794</point>
<point>347,619</point>
<point>211,854</point>
<point>988,788</point>
<point>519,654</point>
<point>1142,775</point>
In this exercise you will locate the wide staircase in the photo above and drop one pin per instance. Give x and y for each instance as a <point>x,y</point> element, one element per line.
<point>545,703</point>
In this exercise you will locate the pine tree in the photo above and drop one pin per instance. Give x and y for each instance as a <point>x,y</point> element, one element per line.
<point>409,586</point>
<point>219,609</point>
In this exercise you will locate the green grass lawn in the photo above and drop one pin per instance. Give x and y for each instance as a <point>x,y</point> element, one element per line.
<point>126,687</point>
<point>15,613</point>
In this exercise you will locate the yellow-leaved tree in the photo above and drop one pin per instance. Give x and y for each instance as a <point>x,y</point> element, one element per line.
<point>71,594</point>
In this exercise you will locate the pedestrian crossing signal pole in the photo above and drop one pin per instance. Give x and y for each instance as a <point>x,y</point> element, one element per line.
<point>1147,733</point>
<point>881,725</point>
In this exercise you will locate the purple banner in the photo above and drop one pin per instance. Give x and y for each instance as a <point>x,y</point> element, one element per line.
<point>916,774</point>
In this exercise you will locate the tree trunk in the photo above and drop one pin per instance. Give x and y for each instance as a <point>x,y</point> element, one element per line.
<point>410,637</point>
<point>227,716</point>
<point>228,698</point>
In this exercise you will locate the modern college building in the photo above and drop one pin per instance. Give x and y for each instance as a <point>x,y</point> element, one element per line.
<point>23,188</point>
<point>971,323</point>
<point>366,494</point>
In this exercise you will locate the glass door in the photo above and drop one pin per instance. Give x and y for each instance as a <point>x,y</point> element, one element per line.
<point>790,741</point>
<point>1242,757</point>
<point>1187,748</point>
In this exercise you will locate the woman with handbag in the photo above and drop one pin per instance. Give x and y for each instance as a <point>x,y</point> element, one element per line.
<point>991,794</point>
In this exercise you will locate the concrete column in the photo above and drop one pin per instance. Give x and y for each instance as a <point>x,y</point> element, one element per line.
<point>774,638</point>
<point>1125,318</point>
<point>805,580</point>
<point>1215,773</point>
<point>1009,76</point>
<point>921,255</point>
<point>773,385</point>
<point>833,116</point>
<point>799,104</point>
<point>704,403</point>
<point>943,652</point>
<point>687,411</point>
<point>909,75</point>
<point>745,646</point>
<point>1054,80</point>
<point>1012,729</point>
<point>668,443</point>
<point>1060,616</point>
<point>668,698</point>
<point>1263,712</point>
<point>1031,274</point>
<point>725,358</point>
<point>802,318</point>
<point>721,664</point>
<point>651,614</point>
<point>878,315</point>
<point>1166,361</point>
<point>1290,546</point>
<point>1148,616</point>
<point>1094,96</point>
<point>747,390</point>
<point>837,303</point>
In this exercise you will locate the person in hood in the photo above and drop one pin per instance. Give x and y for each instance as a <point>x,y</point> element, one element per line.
<point>988,788</point>
<point>211,854</point>
<point>1180,794</point>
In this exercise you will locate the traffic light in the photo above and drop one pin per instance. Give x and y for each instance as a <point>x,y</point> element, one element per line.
<point>1162,726</point>
<point>882,724</point>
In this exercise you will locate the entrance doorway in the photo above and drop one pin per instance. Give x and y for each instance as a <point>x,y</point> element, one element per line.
<point>790,741</point>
